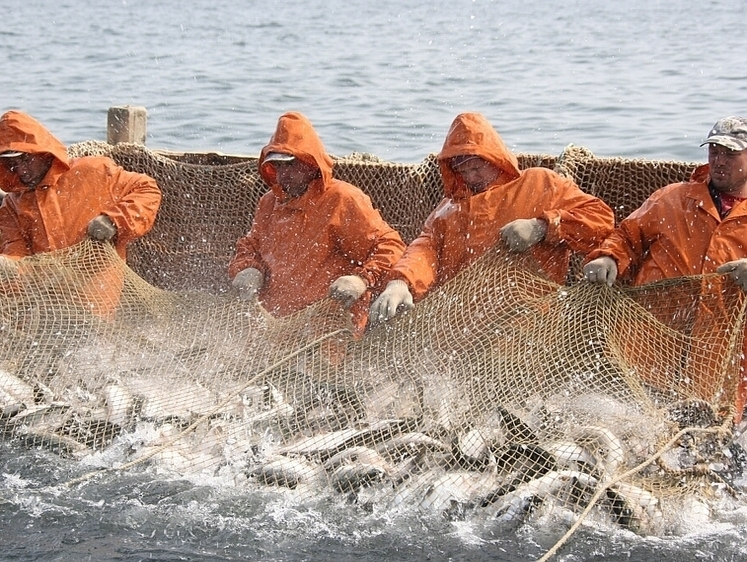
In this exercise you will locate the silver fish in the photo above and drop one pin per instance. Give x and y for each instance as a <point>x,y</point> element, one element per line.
<point>351,477</point>
<point>634,508</point>
<point>288,472</point>
<point>571,456</point>
<point>568,487</point>
<point>119,404</point>
<point>604,445</point>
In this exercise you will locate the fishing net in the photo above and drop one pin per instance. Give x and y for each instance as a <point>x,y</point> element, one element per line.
<point>501,396</point>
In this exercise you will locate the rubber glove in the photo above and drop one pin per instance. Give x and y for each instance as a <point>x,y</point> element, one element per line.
<point>522,234</point>
<point>601,270</point>
<point>395,297</point>
<point>348,289</point>
<point>248,282</point>
<point>737,270</point>
<point>102,228</point>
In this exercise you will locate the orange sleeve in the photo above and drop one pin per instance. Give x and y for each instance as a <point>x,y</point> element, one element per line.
<point>628,243</point>
<point>371,243</point>
<point>135,201</point>
<point>581,220</point>
<point>248,247</point>
<point>13,242</point>
<point>419,266</point>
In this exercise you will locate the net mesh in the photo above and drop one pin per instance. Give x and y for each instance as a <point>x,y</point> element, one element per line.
<point>501,395</point>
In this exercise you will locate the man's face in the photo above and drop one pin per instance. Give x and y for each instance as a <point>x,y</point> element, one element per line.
<point>478,174</point>
<point>728,169</point>
<point>294,176</point>
<point>30,169</point>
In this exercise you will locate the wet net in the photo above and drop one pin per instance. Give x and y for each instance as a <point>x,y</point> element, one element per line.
<point>502,396</point>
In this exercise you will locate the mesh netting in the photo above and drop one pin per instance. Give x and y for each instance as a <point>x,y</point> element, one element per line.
<point>500,395</point>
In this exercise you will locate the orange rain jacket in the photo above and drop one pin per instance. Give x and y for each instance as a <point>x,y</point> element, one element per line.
<point>676,232</point>
<point>56,213</point>
<point>303,244</point>
<point>465,225</point>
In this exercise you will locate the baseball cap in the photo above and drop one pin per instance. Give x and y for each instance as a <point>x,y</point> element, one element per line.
<point>279,157</point>
<point>10,154</point>
<point>730,132</point>
<point>461,159</point>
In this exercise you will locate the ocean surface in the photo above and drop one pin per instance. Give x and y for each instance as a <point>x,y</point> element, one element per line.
<point>640,78</point>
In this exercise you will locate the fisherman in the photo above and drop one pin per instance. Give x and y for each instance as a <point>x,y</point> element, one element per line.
<point>312,235</point>
<point>694,227</point>
<point>487,199</point>
<point>54,202</point>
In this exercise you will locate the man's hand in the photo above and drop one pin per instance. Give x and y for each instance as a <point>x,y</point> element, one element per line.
<point>737,270</point>
<point>601,270</point>
<point>348,289</point>
<point>522,234</point>
<point>248,282</point>
<point>102,228</point>
<point>395,297</point>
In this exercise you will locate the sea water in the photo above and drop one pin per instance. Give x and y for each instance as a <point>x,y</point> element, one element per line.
<point>641,78</point>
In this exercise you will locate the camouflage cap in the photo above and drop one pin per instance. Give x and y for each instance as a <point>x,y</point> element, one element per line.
<point>730,132</point>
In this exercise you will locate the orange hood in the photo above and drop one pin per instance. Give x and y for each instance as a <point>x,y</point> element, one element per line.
<point>21,132</point>
<point>296,135</point>
<point>472,134</point>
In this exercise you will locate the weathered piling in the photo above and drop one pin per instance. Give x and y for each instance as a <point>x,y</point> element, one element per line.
<point>126,123</point>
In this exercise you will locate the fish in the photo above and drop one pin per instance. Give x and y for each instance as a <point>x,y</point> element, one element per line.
<point>356,467</point>
<point>331,408</point>
<point>524,461</point>
<point>571,456</point>
<point>476,444</point>
<point>567,487</point>
<point>51,416</point>
<point>357,454</point>
<point>322,446</point>
<point>604,445</point>
<point>15,394</point>
<point>411,444</point>
<point>162,400</point>
<point>119,404</point>
<point>91,432</point>
<point>287,472</point>
<point>57,443</point>
<point>351,477</point>
<point>634,508</point>
<point>447,493</point>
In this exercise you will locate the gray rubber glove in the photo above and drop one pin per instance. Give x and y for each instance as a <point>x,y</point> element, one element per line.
<point>395,297</point>
<point>601,270</point>
<point>522,234</point>
<point>248,282</point>
<point>8,269</point>
<point>737,270</point>
<point>102,228</point>
<point>348,289</point>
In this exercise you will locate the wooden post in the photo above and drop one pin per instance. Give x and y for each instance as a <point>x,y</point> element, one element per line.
<point>126,123</point>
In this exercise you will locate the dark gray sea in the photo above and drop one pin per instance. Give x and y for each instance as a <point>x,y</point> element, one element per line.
<point>639,78</point>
